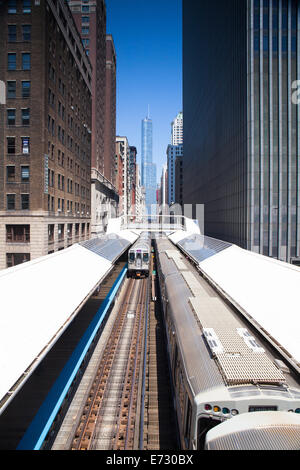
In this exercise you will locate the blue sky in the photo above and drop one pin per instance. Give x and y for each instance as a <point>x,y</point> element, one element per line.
<point>148,41</point>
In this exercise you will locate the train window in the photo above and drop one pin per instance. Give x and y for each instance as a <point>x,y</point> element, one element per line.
<point>145,257</point>
<point>138,256</point>
<point>204,425</point>
<point>175,356</point>
<point>188,422</point>
<point>131,257</point>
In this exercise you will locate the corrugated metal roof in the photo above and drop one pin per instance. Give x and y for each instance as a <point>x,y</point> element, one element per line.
<point>265,290</point>
<point>201,247</point>
<point>109,247</point>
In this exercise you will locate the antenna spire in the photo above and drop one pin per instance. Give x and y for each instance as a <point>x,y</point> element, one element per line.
<point>148,111</point>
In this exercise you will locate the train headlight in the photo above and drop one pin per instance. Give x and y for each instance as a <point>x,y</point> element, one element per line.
<point>234,412</point>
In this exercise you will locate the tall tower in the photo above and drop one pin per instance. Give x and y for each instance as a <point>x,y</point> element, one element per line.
<point>45,131</point>
<point>241,145</point>
<point>177,129</point>
<point>148,167</point>
<point>90,19</point>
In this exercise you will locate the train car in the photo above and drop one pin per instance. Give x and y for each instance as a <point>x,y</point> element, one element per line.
<point>139,257</point>
<point>220,366</point>
<point>267,430</point>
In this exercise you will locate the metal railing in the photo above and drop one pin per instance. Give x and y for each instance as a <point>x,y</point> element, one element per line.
<point>153,222</point>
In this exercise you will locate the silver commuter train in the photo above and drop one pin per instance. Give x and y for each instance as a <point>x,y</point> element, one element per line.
<point>139,257</point>
<point>219,368</point>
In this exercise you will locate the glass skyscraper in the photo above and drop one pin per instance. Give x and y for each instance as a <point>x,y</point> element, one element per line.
<point>148,168</point>
<point>242,128</point>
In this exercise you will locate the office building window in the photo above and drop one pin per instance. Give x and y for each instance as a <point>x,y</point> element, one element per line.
<point>25,174</point>
<point>10,202</point>
<point>11,145</point>
<point>51,233</point>
<point>25,145</point>
<point>26,61</point>
<point>18,233</point>
<point>12,6</point>
<point>85,19</point>
<point>26,117</point>
<point>26,32</point>
<point>11,90</point>
<point>61,232</point>
<point>24,201</point>
<point>25,89</point>
<point>10,174</point>
<point>11,61</point>
<point>85,30</point>
<point>13,259</point>
<point>11,117</point>
<point>12,33</point>
<point>26,6</point>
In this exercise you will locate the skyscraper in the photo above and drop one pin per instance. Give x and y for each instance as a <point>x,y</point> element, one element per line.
<point>242,130</point>
<point>177,130</point>
<point>45,131</point>
<point>147,166</point>
<point>173,151</point>
<point>90,19</point>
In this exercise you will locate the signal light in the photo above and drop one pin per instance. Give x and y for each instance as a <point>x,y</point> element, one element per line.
<point>207,407</point>
<point>297,410</point>
<point>225,411</point>
<point>234,412</point>
<point>217,409</point>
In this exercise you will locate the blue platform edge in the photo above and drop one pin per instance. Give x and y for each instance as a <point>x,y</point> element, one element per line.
<point>42,422</point>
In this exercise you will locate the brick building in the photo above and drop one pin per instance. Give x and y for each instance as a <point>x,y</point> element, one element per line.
<point>45,131</point>
<point>110,110</point>
<point>90,19</point>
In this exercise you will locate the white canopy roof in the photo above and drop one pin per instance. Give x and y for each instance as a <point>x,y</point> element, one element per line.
<point>38,299</point>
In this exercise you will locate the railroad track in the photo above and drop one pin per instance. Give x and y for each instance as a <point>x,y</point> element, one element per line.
<point>159,421</point>
<point>109,418</point>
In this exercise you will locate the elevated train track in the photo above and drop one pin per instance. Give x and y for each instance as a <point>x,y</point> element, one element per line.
<point>126,404</point>
<point>109,415</point>
<point>219,365</point>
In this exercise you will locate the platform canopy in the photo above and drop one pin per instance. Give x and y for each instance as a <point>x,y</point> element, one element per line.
<point>39,298</point>
<point>265,290</point>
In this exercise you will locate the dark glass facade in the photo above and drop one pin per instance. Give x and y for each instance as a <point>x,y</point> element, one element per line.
<point>241,130</point>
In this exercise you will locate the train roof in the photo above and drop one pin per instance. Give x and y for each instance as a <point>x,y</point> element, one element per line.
<point>211,335</point>
<point>142,244</point>
<point>261,430</point>
<point>265,290</point>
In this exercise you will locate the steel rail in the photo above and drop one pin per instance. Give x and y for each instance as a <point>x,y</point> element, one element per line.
<point>85,420</point>
<point>142,411</point>
<point>128,377</point>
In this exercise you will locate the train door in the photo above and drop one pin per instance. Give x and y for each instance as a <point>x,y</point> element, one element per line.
<point>138,260</point>
<point>187,424</point>
<point>205,423</point>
